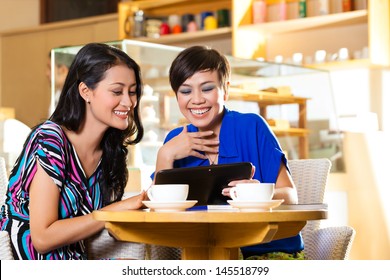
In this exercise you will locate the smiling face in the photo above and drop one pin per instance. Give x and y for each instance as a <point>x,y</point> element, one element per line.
<point>201,99</point>
<point>112,101</point>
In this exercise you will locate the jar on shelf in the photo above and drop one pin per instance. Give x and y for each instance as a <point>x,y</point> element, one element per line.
<point>347,5</point>
<point>360,4</point>
<point>153,28</point>
<point>317,7</point>
<point>302,8</point>
<point>293,9</point>
<point>164,28</point>
<point>335,6</point>
<point>188,20</point>
<point>223,18</point>
<point>203,17</point>
<point>174,22</point>
<point>210,23</point>
<point>139,24</point>
<point>259,11</point>
<point>276,10</point>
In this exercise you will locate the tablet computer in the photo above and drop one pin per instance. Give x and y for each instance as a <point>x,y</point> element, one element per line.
<point>206,182</point>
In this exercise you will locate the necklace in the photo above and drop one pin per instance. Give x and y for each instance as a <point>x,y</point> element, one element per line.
<point>212,162</point>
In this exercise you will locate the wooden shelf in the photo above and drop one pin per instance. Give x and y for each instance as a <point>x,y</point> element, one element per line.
<point>224,32</point>
<point>153,8</point>
<point>342,65</point>
<point>266,39</point>
<point>299,132</point>
<point>266,98</point>
<point>331,20</point>
<point>168,7</point>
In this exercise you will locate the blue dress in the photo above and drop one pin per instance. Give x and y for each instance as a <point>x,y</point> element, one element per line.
<point>247,138</point>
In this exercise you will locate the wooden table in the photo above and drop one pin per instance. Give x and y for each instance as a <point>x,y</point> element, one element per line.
<point>207,234</point>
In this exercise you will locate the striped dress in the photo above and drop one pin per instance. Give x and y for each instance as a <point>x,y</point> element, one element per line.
<point>78,195</point>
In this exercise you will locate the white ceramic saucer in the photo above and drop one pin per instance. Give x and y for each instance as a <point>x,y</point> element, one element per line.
<point>255,206</point>
<point>169,206</point>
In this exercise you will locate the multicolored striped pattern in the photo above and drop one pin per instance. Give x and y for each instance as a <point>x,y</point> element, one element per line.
<point>78,195</point>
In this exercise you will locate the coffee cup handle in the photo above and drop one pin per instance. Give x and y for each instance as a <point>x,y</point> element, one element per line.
<point>232,193</point>
<point>149,193</point>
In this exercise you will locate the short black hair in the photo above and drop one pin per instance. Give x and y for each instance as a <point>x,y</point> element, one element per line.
<point>195,59</point>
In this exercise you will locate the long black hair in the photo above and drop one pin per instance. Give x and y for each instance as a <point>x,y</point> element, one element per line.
<point>90,66</point>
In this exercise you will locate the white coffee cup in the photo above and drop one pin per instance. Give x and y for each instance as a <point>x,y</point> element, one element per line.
<point>168,192</point>
<point>253,191</point>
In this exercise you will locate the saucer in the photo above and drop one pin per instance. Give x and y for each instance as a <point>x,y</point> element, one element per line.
<point>255,206</point>
<point>169,206</point>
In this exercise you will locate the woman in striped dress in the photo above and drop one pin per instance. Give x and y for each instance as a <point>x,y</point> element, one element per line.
<point>75,162</point>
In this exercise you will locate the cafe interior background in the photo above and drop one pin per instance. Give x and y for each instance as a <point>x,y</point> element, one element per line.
<point>335,60</point>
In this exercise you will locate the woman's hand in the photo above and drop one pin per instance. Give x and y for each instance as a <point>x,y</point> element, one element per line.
<point>226,191</point>
<point>135,202</point>
<point>186,144</point>
<point>190,143</point>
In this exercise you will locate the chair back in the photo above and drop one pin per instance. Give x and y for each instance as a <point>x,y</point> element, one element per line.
<point>5,245</point>
<point>3,181</point>
<point>328,243</point>
<point>104,246</point>
<point>310,177</point>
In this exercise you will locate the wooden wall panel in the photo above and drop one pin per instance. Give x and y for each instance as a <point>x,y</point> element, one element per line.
<point>23,61</point>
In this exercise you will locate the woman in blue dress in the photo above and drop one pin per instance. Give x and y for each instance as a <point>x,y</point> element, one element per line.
<point>199,76</point>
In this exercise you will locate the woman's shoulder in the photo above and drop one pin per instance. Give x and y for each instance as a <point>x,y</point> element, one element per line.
<point>245,117</point>
<point>49,130</point>
<point>49,126</point>
<point>176,131</point>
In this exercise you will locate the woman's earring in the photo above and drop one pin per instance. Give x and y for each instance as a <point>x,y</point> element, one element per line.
<point>89,102</point>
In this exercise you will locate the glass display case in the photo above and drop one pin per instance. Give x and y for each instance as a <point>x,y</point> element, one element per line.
<point>296,101</point>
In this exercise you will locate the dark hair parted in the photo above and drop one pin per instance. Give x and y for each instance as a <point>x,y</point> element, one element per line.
<point>89,66</point>
<point>198,59</point>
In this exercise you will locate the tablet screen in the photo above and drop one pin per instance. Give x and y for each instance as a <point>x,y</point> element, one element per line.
<point>206,182</point>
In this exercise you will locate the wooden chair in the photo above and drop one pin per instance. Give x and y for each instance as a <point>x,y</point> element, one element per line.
<point>321,243</point>
<point>5,243</point>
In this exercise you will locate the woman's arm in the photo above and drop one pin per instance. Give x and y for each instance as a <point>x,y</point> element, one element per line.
<point>183,145</point>
<point>284,187</point>
<point>47,231</point>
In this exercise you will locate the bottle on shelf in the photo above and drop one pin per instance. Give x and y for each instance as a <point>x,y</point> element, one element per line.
<point>347,5</point>
<point>203,16</point>
<point>210,23</point>
<point>277,10</point>
<point>302,8</point>
<point>187,20</point>
<point>164,28</point>
<point>360,5</point>
<point>139,24</point>
<point>259,11</point>
<point>317,7</point>
<point>174,22</point>
<point>223,17</point>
